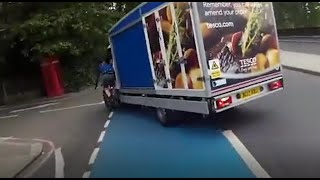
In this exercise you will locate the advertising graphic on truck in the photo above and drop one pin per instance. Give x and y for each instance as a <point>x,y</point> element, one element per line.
<point>240,40</point>
<point>170,34</point>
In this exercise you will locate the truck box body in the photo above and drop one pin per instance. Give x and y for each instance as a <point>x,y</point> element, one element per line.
<point>198,49</point>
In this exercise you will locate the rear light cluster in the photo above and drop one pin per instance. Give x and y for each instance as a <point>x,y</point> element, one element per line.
<point>275,85</point>
<point>224,102</point>
<point>227,101</point>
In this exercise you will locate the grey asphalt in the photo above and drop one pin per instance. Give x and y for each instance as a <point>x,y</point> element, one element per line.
<point>76,131</point>
<point>282,130</point>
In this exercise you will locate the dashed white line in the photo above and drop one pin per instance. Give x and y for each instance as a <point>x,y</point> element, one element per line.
<point>106,124</point>
<point>59,163</point>
<point>96,150</point>
<point>101,136</point>
<point>72,107</point>
<point>110,115</point>
<point>86,174</point>
<point>35,107</point>
<point>244,153</point>
<point>6,117</point>
<point>94,156</point>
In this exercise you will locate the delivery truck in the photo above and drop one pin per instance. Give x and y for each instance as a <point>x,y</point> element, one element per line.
<point>199,57</point>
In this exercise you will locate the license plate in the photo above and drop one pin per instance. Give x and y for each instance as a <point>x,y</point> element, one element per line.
<point>250,92</point>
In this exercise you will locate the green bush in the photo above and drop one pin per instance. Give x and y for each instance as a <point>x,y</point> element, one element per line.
<point>76,35</point>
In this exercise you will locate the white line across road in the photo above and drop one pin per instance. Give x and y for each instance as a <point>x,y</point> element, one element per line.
<point>72,107</point>
<point>6,117</point>
<point>4,138</point>
<point>59,170</point>
<point>35,107</point>
<point>3,108</point>
<point>244,153</point>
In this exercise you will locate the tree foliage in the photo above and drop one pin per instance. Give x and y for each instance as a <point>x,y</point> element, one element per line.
<point>290,15</point>
<point>58,28</point>
<point>76,32</point>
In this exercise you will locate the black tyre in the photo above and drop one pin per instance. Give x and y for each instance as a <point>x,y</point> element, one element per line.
<point>106,100</point>
<point>116,98</point>
<point>167,117</point>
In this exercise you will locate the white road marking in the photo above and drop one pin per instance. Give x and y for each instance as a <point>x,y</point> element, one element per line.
<point>101,136</point>
<point>35,107</point>
<point>4,138</point>
<point>110,115</point>
<point>106,124</point>
<point>251,162</point>
<point>59,173</point>
<point>96,150</point>
<point>72,107</point>
<point>86,174</point>
<point>93,156</point>
<point>3,108</point>
<point>6,117</point>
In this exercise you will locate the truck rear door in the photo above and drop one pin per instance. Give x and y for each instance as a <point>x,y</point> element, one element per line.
<point>240,43</point>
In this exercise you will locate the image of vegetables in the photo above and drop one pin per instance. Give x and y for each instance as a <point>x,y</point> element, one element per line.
<point>252,28</point>
<point>172,50</point>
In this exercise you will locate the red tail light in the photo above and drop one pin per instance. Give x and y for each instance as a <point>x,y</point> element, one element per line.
<point>275,85</point>
<point>223,102</point>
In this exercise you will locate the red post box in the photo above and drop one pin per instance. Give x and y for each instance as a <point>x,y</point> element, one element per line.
<point>52,77</point>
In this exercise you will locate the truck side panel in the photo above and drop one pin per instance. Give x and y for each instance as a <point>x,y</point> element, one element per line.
<point>131,56</point>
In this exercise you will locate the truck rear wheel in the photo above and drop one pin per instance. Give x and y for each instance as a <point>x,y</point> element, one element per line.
<point>166,117</point>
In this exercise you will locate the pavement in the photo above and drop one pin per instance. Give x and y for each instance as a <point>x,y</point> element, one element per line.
<point>309,63</point>
<point>298,39</point>
<point>71,136</point>
<point>17,156</point>
<point>301,55</point>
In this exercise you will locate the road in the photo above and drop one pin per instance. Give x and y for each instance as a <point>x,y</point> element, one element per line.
<point>75,131</point>
<point>280,131</point>
<point>137,146</point>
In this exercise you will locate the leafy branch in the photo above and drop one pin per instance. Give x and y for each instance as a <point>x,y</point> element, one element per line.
<point>172,50</point>
<point>252,29</point>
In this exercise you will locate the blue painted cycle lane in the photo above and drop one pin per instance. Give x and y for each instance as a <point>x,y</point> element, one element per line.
<point>137,146</point>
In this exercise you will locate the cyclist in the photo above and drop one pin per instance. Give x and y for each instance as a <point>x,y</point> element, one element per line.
<point>105,69</point>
